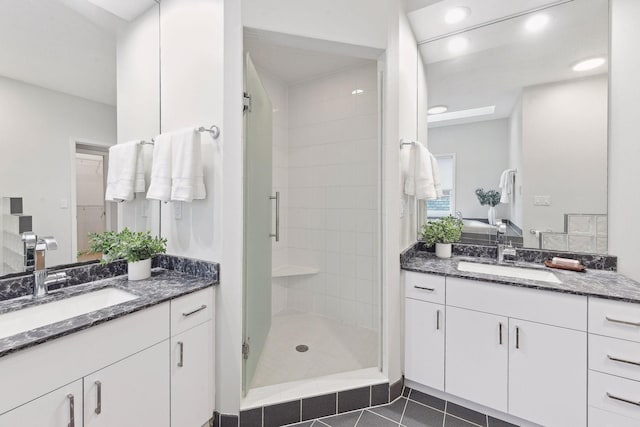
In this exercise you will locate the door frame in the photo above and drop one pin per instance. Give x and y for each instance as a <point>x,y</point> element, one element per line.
<point>100,147</point>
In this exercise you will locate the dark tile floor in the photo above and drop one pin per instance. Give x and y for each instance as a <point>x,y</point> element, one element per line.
<point>413,409</point>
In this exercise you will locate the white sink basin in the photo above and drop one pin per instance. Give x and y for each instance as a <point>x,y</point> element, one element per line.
<point>503,270</point>
<point>37,316</point>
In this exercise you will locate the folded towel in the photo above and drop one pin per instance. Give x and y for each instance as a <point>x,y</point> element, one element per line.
<point>160,187</point>
<point>187,171</point>
<point>506,186</point>
<point>125,175</point>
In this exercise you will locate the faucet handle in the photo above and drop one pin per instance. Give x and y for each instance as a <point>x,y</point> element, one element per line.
<point>47,242</point>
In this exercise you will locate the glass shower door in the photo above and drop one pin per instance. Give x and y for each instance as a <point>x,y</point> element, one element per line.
<point>257,220</point>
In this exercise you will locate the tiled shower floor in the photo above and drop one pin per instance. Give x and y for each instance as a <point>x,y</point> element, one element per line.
<point>413,409</point>
<point>333,348</point>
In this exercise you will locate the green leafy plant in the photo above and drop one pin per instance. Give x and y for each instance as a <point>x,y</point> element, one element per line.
<point>490,197</point>
<point>129,245</point>
<point>443,230</point>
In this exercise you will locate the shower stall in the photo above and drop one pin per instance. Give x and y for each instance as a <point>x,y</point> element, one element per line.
<point>312,215</point>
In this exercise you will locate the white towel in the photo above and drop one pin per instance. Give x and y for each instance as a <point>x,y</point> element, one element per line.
<point>187,171</point>
<point>506,186</point>
<point>160,187</point>
<point>125,175</point>
<point>420,180</point>
<point>436,176</point>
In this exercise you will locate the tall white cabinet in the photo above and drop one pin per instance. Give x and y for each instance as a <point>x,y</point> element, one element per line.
<point>519,351</point>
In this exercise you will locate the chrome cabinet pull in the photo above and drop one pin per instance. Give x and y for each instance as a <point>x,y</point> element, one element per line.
<point>98,409</point>
<point>623,322</point>
<point>189,313</point>
<point>424,288</point>
<point>277,199</point>
<point>517,337</point>
<point>72,411</point>
<point>617,359</point>
<point>622,399</point>
<point>500,328</point>
<point>181,357</point>
<point>437,320</point>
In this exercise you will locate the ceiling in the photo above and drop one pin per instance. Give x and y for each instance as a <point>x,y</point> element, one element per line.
<point>64,45</point>
<point>125,9</point>
<point>411,5</point>
<point>292,64</point>
<point>503,58</point>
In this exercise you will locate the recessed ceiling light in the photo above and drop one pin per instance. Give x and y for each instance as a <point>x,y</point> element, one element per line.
<point>438,109</point>
<point>458,44</point>
<point>357,92</point>
<point>456,14</point>
<point>462,114</point>
<point>589,64</point>
<point>537,23</point>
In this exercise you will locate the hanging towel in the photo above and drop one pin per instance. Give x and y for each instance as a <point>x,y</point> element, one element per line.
<point>436,176</point>
<point>506,186</point>
<point>160,187</point>
<point>187,171</point>
<point>125,174</point>
<point>419,180</point>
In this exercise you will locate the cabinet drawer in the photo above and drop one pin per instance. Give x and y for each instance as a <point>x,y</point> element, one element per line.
<point>614,319</point>
<point>614,356</point>
<point>425,287</point>
<point>615,394</point>
<point>191,310</point>
<point>600,418</point>
<point>551,308</point>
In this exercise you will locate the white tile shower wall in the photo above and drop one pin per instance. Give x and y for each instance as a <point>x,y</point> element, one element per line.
<point>333,173</point>
<point>278,93</point>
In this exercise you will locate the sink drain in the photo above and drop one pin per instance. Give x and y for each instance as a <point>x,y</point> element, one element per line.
<point>302,348</point>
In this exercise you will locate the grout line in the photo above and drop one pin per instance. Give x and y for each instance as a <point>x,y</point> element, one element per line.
<point>444,418</point>
<point>382,416</point>
<point>431,407</point>
<point>358,420</point>
<point>406,402</point>
<point>467,421</point>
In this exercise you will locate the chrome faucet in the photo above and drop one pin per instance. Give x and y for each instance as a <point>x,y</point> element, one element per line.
<point>502,248</point>
<point>41,277</point>
<point>459,215</point>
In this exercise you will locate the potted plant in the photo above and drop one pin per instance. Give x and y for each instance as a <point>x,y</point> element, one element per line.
<point>104,244</point>
<point>442,232</point>
<point>137,248</point>
<point>491,198</point>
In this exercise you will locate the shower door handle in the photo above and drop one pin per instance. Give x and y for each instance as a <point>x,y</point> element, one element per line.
<point>277,199</point>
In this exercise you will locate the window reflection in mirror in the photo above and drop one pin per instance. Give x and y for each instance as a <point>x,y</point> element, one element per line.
<point>516,94</point>
<point>75,78</point>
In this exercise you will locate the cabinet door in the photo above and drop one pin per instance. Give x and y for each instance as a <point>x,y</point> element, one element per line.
<point>547,374</point>
<point>424,343</point>
<point>133,392</point>
<point>476,356</point>
<point>60,408</point>
<point>192,376</point>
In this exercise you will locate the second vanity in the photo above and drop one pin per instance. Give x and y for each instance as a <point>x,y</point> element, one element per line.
<point>145,360</point>
<point>554,350</point>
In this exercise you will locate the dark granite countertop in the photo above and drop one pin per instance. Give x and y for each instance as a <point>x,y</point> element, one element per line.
<point>163,285</point>
<point>598,283</point>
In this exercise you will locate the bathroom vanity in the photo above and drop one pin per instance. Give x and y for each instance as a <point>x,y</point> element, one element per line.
<point>559,349</point>
<point>144,359</point>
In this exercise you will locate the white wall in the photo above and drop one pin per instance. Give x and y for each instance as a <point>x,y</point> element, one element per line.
<point>37,127</point>
<point>138,93</point>
<point>515,161</point>
<point>333,195</point>
<point>191,91</point>
<point>564,153</point>
<point>357,22</point>
<point>624,150</point>
<point>481,150</point>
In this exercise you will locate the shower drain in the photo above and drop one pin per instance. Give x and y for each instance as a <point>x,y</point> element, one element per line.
<point>302,348</point>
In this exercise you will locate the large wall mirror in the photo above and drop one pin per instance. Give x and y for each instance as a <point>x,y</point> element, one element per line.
<point>76,76</point>
<point>518,103</point>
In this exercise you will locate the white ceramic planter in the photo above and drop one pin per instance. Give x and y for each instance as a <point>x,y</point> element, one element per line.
<point>491,215</point>
<point>443,250</point>
<point>139,270</point>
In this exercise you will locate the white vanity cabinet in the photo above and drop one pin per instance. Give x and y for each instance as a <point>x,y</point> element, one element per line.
<point>132,392</point>
<point>424,329</point>
<point>59,408</point>
<point>477,353</point>
<point>121,373</point>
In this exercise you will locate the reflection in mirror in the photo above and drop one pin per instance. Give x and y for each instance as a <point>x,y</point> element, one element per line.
<point>523,114</point>
<point>76,77</point>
